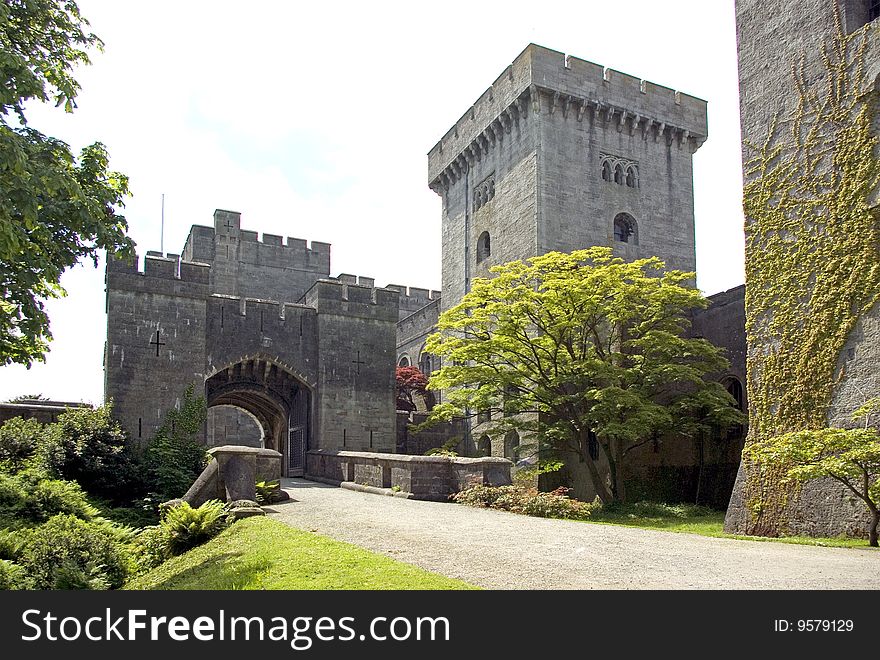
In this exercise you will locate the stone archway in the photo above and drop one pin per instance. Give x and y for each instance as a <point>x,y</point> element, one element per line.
<point>278,399</point>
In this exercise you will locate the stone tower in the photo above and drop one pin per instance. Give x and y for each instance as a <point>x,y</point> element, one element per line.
<point>561,154</point>
<point>772,36</point>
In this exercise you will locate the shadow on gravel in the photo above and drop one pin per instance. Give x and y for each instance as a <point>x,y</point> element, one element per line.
<point>299,484</point>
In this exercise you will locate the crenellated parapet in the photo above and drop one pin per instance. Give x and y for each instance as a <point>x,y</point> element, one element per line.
<point>227,240</point>
<point>332,296</point>
<point>546,82</point>
<point>413,298</point>
<point>161,273</point>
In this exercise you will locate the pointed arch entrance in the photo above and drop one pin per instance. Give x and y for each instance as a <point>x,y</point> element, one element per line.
<point>276,397</point>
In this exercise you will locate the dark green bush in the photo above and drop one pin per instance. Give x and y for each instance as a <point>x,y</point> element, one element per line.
<point>527,501</point>
<point>88,446</point>
<point>19,439</point>
<point>68,553</point>
<point>30,497</point>
<point>13,576</point>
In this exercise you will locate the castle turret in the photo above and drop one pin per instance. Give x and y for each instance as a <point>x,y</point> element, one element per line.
<point>561,154</point>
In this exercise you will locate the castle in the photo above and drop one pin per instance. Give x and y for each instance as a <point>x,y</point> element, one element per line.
<point>558,154</point>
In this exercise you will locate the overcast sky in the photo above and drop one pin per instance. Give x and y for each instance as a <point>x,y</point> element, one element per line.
<point>314,120</point>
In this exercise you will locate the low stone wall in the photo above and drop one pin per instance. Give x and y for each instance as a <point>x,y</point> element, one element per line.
<point>419,477</point>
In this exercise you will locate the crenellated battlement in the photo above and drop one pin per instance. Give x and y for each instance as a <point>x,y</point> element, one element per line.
<point>412,299</point>
<point>168,267</point>
<point>226,240</point>
<point>340,297</point>
<point>541,80</point>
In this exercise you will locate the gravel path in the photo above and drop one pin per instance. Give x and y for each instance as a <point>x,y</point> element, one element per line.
<point>499,550</point>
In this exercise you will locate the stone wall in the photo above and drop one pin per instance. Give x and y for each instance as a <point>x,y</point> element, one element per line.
<point>244,266</point>
<point>257,330</point>
<point>356,331</point>
<point>410,442</point>
<point>155,338</point>
<point>412,332</point>
<point>418,477</point>
<point>229,425</point>
<point>45,412</point>
<point>771,31</point>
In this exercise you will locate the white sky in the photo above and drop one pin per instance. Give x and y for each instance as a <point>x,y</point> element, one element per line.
<point>314,120</point>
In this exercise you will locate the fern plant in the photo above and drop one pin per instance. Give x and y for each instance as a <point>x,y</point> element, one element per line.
<point>186,527</point>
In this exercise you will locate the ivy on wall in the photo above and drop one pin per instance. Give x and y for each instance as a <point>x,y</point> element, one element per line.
<point>812,266</point>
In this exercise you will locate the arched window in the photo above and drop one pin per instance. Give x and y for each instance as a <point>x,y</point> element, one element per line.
<point>403,361</point>
<point>625,230</point>
<point>484,446</point>
<point>607,174</point>
<point>632,177</point>
<point>735,388</point>
<point>511,445</point>
<point>484,246</point>
<point>425,365</point>
<point>618,174</point>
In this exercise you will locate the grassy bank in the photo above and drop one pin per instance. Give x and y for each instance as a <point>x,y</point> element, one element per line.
<point>696,520</point>
<point>260,553</point>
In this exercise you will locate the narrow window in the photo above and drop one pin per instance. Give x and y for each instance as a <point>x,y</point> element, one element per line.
<point>606,171</point>
<point>484,246</point>
<point>618,174</point>
<point>403,361</point>
<point>632,180</point>
<point>484,448</point>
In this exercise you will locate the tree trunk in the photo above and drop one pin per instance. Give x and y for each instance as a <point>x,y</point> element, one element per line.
<point>598,482</point>
<point>618,488</point>
<point>872,530</point>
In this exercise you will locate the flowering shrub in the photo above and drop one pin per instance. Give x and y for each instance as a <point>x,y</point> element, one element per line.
<point>527,501</point>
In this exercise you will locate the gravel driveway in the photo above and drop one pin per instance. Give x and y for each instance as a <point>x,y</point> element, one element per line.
<point>500,550</point>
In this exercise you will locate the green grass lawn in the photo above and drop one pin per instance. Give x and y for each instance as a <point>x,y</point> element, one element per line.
<point>261,553</point>
<point>697,520</point>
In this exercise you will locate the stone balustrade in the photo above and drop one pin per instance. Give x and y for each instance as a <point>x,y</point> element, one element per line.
<point>416,477</point>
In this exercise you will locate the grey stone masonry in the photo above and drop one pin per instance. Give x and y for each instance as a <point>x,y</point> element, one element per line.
<point>290,359</point>
<point>773,36</point>
<point>551,154</point>
<point>412,332</point>
<point>356,328</point>
<point>242,265</point>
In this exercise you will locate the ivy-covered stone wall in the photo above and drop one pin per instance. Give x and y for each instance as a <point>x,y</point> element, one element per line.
<point>811,169</point>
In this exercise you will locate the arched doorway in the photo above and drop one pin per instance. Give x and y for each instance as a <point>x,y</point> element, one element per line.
<point>276,397</point>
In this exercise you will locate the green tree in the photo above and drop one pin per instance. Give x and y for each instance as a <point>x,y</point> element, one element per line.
<point>55,208</point>
<point>569,347</point>
<point>848,456</point>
